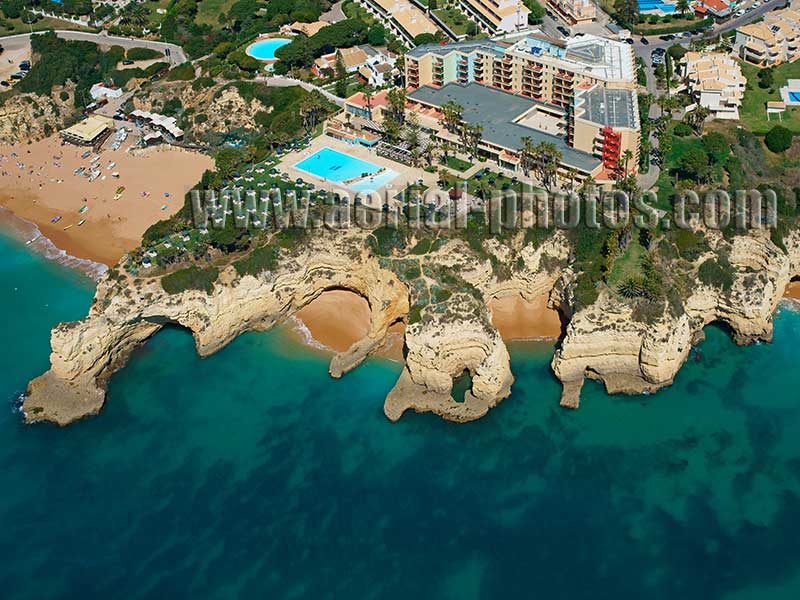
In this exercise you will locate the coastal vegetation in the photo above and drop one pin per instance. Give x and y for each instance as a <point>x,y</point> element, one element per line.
<point>190,278</point>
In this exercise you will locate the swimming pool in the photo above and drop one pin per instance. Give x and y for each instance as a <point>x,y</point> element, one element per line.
<point>336,166</point>
<point>265,49</point>
<point>647,5</point>
<point>794,97</point>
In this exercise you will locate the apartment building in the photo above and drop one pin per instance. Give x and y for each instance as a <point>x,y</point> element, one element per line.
<point>715,81</point>
<point>404,19</point>
<point>573,12</point>
<point>497,16</point>
<point>773,41</point>
<point>536,67</point>
<point>579,95</point>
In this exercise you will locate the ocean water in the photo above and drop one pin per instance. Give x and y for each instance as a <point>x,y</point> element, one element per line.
<point>252,474</point>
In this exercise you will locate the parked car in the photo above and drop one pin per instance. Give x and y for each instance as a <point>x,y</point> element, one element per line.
<point>739,13</point>
<point>630,41</point>
<point>756,4</point>
<point>563,30</point>
<point>644,41</point>
<point>127,62</point>
<point>5,84</point>
<point>667,38</point>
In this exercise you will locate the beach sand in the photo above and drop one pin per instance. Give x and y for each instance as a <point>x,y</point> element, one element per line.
<point>47,187</point>
<point>337,319</point>
<point>519,319</point>
<point>792,290</point>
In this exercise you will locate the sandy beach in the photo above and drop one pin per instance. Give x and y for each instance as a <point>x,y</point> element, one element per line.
<point>338,318</point>
<point>519,319</point>
<point>37,183</point>
<point>792,290</point>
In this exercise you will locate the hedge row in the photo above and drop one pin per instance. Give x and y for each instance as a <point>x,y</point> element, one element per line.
<point>674,28</point>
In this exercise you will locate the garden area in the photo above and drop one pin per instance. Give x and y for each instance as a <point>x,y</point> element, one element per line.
<point>457,21</point>
<point>763,86</point>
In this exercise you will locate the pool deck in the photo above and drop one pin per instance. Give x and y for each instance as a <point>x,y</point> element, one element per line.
<point>405,174</point>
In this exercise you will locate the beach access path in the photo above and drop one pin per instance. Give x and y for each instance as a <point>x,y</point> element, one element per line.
<point>175,57</point>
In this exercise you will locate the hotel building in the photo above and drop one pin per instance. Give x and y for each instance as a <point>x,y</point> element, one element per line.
<point>573,11</point>
<point>497,16</point>
<point>715,81</point>
<point>579,95</point>
<point>773,41</point>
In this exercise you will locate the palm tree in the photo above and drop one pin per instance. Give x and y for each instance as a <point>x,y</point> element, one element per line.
<point>526,155</point>
<point>311,108</point>
<point>134,14</point>
<point>368,94</point>
<point>397,103</point>
<point>452,113</point>
<point>682,6</point>
<point>626,159</point>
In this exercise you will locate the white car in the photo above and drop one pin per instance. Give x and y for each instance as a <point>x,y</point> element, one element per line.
<point>739,13</point>
<point>756,4</point>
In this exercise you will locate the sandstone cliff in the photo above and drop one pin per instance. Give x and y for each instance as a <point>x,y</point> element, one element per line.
<point>442,297</point>
<point>606,342</point>
<point>29,117</point>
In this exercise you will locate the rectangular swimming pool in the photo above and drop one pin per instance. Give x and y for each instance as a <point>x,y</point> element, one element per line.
<point>336,166</point>
<point>794,97</point>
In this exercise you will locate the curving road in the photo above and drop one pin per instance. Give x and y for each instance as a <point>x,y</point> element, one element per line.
<point>176,53</point>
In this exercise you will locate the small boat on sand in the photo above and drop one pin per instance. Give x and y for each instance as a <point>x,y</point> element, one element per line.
<point>81,222</point>
<point>83,209</point>
<point>67,227</point>
<point>55,219</point>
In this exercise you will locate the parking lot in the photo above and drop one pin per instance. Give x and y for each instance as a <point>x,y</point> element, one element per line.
<point>10,60</point>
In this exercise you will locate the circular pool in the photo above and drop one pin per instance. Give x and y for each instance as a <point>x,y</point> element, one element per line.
<point>265,49</point>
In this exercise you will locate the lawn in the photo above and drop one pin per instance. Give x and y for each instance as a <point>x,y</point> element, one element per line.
<point>14,26</point>
<point>208,11</point>
<point>458,164</point>
<point>454,19</point>
<point>753,112</point>
<point>154,19</point>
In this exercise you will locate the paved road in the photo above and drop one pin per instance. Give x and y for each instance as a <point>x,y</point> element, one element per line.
<point>335,14</point>
<point>176,57</point>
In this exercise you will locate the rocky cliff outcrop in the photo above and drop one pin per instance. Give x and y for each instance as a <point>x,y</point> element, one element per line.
<point>29,117</point>
<point>606,341</point>
<point>441,295</point>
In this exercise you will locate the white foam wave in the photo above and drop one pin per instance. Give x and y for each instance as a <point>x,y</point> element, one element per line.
<point>29,233</point>
<point>299,327</point>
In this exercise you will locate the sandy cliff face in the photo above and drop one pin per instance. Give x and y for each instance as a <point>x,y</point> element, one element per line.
<point>448,330</point>
<point>606,342</point>
<point>28,117</point>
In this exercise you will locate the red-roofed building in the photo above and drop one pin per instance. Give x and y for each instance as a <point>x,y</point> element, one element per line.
<point>718,9</point>
<point>357,104</point>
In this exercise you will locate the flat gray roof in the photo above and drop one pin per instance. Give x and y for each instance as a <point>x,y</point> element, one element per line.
<point>466,47</point>
<point>616,108</point>
<point>496,111</point>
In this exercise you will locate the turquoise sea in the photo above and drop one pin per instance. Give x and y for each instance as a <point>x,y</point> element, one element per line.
<point>252,474</point>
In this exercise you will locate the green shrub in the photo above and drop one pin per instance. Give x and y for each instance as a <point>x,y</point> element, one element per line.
<point>259,260</point>
<point>191,278</point>
<point>682,129</point>
<point>184,72</point>
<point>143,54</point>
<point>778,139</point>
<point>716,273</point>
<point>385,239</point>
